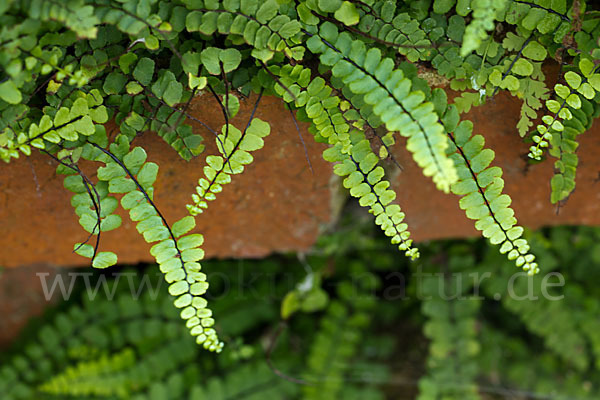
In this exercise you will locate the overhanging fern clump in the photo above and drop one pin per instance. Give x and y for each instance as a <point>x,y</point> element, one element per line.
<point>347,67</point>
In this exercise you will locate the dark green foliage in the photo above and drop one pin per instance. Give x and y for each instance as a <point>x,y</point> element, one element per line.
<point>452,328</point>
<point>340,336</point>
<point>559,318</point>
<point>130,348</point>
<point>500,333</point>
<point>121,346</point>
<point>489,332</point>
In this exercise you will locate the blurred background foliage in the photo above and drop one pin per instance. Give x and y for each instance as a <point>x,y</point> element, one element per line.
<point>352,319</point>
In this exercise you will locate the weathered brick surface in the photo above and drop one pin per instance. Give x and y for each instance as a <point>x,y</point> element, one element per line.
<point>278,204</point>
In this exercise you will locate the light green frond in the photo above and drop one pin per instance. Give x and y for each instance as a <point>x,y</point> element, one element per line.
<point>235,147</point>
<point>374,81</point>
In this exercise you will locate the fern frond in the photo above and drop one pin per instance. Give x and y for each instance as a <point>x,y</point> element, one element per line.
<point>95,210</point>
<point>569,99</point>
<point>513,369</point>
<point>318,101</point>
<point>252,381</point>
<point>452,329</point>
<point>555,322</point>
<point>484,15</point>
<point>351,152</point>
<point>539,16</point>
<point>481,187</point>
<point>177,254</point>
<point>79,117</point>
<point>77,16</point>
<point>374,81</point>
<point>235,147</point>
<point>400,31</point>
<point>573,114</point>
<point>257,24</point>
<point>99,377</point>
<point>161,113</point>
<point>563,146</point>
<point>337,342</point>
<point>69,355</point>
<point>364,180</point>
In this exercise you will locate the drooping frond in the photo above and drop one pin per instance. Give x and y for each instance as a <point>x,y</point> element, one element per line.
<point>235,147</point>
<point>351,152</point>
<point>374,82</point>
